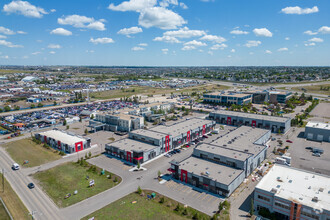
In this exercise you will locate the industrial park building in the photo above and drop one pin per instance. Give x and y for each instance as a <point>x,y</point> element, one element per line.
<point>222,165</point>
<point>227,98</point>
<point>143,145</point>
<point>274,123</point>
<point>258,96</point>
<point>116,122</point>
<point>279,97</point>
<point>292,193</point>
<point>64,141</point>
<point>317,131</point>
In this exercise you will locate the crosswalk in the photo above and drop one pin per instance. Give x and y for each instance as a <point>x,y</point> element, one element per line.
<point>188,191</point>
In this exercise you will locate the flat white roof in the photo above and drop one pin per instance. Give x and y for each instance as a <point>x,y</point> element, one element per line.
<point>64,137</point>
<point>321,125</point>
<point>298,185</point>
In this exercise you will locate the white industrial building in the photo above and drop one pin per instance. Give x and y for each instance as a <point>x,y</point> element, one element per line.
<point>317,131</point>
<point>64,141</point>
<point>291,193</point>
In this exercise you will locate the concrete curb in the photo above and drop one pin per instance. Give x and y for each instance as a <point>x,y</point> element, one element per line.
<point>4,205</point>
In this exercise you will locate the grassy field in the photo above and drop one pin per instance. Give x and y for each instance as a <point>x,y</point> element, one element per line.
<point>139,90</point>
<point>144,209</point>
<point>313,89</point>
<point>13,203</point>
<point>26,149</point>
<point>66,178</point>
<point>3,213</point>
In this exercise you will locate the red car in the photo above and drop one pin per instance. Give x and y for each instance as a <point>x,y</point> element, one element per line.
<point>289,141</point>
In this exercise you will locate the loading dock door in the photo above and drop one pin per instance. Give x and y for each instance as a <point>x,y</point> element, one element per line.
<point>319,137</point>
<point>309,136</point>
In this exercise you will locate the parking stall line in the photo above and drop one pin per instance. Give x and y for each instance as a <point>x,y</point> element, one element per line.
<point>211,198</point>
<point>200,195</point>
<point>204,197</point>
<point>216,201</point>
<point>193,193</point>
<point>187,188</point>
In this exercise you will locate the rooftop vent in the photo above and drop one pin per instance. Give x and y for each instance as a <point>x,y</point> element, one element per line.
<point>273,190</point>
<point>278,186</point>
<point>309,187</point>
<point>315,199</point>
<point>290,181</point>
<point>321,189</point>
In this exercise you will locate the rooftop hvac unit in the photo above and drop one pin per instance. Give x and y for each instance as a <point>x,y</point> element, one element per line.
<point>315,199</point>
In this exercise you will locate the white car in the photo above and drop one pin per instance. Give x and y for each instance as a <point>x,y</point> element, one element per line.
<point>15,166</point>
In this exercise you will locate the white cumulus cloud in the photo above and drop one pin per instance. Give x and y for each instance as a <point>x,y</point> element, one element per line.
<point>287,38</point>
<point>310,44</point>
<point>268,52</point>
<point>61,31</point>
<point>143,44</point>
<point>104,40</point>
<point>283,49</point>
<point>138,48</point>
<point>324,30</point>
<point>213,38</point>
<point>54,46</point>
<point>238,32</point>
<point>52,52</point>
<point>195,43</point>
<point>165,51</point>
<point>262,32</point>
<point>185,32</point>
<point>133,5</point>
<point>310,32</point>
<point>130,31</point>
<point>299,11</point>
<point>3,36</point>
<point>188,47</point>
<point>9,44</point>
<point>183,5</point>
<point>233,50</point>
<point>253,43</point>
<point>161,18</point>
<point>218,47</point>
<point>24,8</point>
<point>316,39</point>
<point>79,21</point>
<point>6,31</point>
<point>167,39</point>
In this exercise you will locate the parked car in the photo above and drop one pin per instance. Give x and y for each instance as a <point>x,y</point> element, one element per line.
<point>177,150</point>
<point>205,136</point>
<point>30,185</point>
<point>309,148</point>
<point>210,134</point>
<point>273,139</point>
<point>318,150</point>
<point>289,141</point>
<point>316,154</point>
<point>167,155</point>
<point>15,166</point>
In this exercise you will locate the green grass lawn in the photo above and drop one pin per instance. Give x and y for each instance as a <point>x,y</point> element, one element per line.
<point>13,203</point>
<point>314,89</point>
<point>26,149</point>
<point>144,209</point>
<point>3,213</point>
<point>68,177</point>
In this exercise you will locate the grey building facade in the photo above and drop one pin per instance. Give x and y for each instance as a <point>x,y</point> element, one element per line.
<point>274,123</point>
<point>317,131</point>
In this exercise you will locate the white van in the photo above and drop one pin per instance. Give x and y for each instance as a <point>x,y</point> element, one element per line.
<point>15,166</point>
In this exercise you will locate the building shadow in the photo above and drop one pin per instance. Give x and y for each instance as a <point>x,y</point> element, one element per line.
<point>246,205</point>
<point>301,135</point>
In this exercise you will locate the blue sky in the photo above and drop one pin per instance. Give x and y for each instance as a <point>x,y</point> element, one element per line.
<point>165,32</point>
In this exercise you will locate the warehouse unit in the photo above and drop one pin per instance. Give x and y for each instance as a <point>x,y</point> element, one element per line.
<point>227,98</point>
<point>64,141</point>
<point>274,123</point>
<point>116,122</point>
<point>317,131</point>
<point>221,166</point>
<point>159,140</point>
<point>292,193</point>
<point>279,97</point>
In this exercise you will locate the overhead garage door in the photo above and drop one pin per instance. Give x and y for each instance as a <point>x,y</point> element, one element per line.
<point>310,136</point>
<point>320,137</point>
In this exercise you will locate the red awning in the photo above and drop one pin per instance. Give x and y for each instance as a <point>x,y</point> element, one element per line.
<point>138,158</point>
<point>171,170</point>
<point>205,185</point>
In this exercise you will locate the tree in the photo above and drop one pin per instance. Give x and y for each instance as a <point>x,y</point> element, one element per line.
<point>67,127</point>
<point>92,116</point>
<point>40,105</point>
<point>162,200</point>
<point>55,103</point>
<point>185,211</point>
<point>64,122</point>
<point>139,190</point>
<point>89,154</point>
<point>17,108</point>
<point>252,207</point>
<point>86,131</point>
<point>138,165</point>
<point>7,108</point>
<point>1,110</point>
<point>32,106</point>
<point>159,173</point>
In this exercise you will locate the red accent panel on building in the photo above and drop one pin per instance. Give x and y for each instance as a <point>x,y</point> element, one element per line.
<point>129,156</point>
<point>228,120</point>
<point>254,123</point>
<point>138,158</point>
<point>188,136</point>
<point>45,139</point>
<point>291,211</point>
<point>167,143</point>
<point>184,176</point>
<point>204,127</point>
<point>79,144</point>
<point>298,212</point>
<point>59,145</point>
